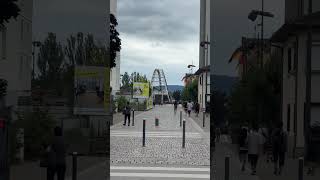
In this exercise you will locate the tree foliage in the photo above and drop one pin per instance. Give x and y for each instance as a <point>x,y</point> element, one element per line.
<point>8,9</point>
<point>85,50</point>
<point>190,92</point>
<point>115,41</point>
<point>256,98</point>
<point>38,130</point>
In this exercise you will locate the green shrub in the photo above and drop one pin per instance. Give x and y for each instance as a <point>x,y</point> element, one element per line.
<point>38,130</point>
<point>121,102</point>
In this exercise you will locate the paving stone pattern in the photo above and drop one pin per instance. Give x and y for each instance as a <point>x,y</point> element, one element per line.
<point>159,151</point>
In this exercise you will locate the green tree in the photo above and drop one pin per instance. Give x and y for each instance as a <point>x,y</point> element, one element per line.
<point>256,99</point>
<point>190,92</point>
<point>115,41</point>
<point>8,9</point>
<point>126,80</point>
<point>50,61</point>
<point>38,129</point>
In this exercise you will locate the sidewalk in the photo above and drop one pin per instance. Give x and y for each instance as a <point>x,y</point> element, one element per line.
<point>31,170</point>
<point>264,169</point>
<point>199,120</point>
<point>163,156</point>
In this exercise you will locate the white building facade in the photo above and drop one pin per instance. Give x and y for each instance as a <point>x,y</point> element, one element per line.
<point>16,54</point>
<point>203,72</point>
<point>300,76</point>
<point>115,72</point>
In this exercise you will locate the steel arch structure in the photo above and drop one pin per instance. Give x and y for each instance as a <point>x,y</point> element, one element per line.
<point>159,86</point>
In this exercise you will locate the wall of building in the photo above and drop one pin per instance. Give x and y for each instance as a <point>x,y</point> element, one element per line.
<point>16,53</point>
<point>204,58</point>
<point>115,72</point>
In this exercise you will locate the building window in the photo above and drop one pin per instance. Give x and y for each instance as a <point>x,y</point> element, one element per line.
<point>201,80</point>
<point>288,117</point>
<point>4,43</point>
<point>289,60</point>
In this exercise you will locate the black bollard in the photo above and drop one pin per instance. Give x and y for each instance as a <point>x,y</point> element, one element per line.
<point>156,121</point>
<point>144,133</point>
<point>203,119</point>
<point>300,172</point>
<point>184,134</point>
<point>133,117</point>
<point>180,118</point>
<point>74,165</point>
<point>227,168</point>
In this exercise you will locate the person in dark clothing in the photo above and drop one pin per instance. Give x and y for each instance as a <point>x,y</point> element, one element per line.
<point>279,148</point>
<point>197,109</point>
<point>175,106</point>
<point>243,147</point>
<point>56,156</point>
<point>127,113</point>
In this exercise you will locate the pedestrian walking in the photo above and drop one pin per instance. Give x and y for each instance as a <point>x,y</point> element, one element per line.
<point>127,113</point>
<point>255,145</point>
<point>175,107</point>
<point>56,152</point>
<point>279,148</point>
<point>197,108</point>
<point>189,108</point>
<point>243,147</point>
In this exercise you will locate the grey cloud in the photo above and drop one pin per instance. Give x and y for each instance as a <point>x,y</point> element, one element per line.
<point>159,20</point>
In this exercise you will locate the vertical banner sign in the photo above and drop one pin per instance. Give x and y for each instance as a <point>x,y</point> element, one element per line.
<point>92,90</point>
<point>141,90</point>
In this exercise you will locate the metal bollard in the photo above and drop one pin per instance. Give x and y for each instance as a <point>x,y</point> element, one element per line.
<point>184,134</point>
<point>144,133</point>
<point>156,122</point>
<point>74,165</point>
<point>300,172</point>
<point>132,117</point>
<point>180,118</point>
<point>203,119</point>
<point>227,168</point>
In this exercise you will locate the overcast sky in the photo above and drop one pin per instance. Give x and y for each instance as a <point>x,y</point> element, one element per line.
<point>157,33</point>
<point>165,33</point>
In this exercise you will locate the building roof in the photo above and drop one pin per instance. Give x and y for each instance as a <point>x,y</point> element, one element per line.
<point>203,69</point>
<point>188,75</point>
<point>299,25</point>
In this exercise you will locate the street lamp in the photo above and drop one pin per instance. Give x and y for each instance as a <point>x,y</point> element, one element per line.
<point>253,16</point>
<point>191,66</point>
<point>34,45</point>
<point>204,44</point>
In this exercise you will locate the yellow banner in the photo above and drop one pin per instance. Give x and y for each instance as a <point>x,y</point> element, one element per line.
<point>140,90</point>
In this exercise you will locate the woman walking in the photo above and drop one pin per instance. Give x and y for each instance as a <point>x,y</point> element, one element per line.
<point>243,147</point>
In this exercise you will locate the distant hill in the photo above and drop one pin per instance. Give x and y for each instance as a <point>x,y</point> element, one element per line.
<point>172,88</point>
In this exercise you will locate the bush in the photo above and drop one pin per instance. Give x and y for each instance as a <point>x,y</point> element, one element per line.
<point>38,130</point>
<point>121,102</point>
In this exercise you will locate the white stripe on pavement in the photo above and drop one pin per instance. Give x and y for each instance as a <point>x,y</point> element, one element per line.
<point>155,175</point>
<point>159,168</point>
<point>154,134</point>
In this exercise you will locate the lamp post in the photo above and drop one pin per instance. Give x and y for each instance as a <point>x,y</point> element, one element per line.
<point>253,16</point>
<point>34,45</point>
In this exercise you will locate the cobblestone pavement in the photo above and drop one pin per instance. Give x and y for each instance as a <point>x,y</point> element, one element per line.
<point>163,155</point>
